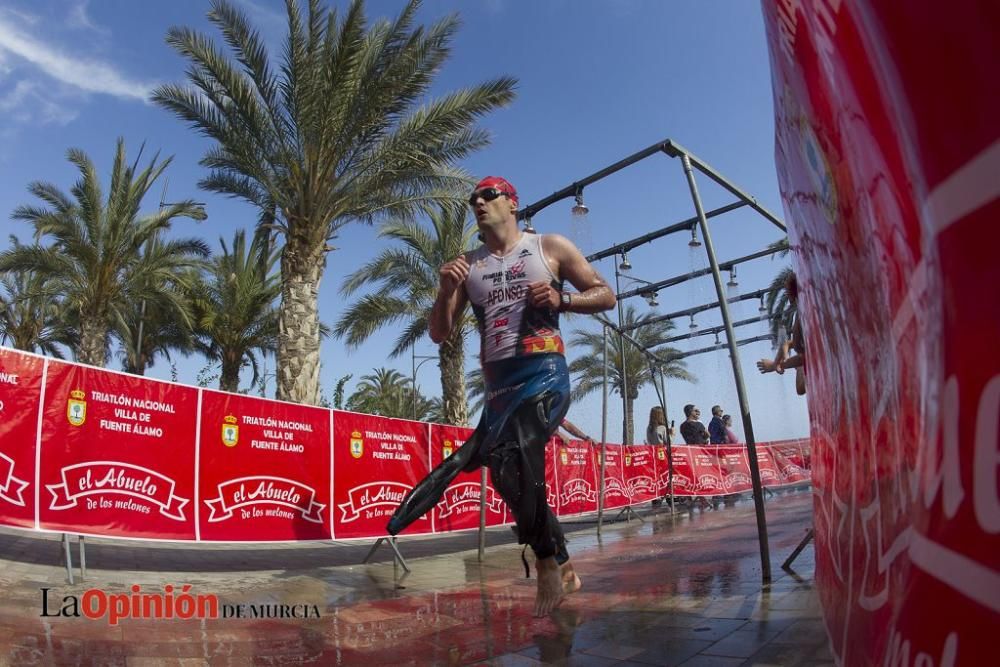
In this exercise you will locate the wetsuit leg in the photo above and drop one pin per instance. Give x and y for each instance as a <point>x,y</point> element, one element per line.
<point>429,490</point>
<point>517,469</point>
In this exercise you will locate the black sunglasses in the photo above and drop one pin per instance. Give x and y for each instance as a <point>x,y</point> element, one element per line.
<point>488,194</point>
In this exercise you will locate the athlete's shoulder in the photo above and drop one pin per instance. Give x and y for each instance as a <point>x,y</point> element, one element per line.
<point>556,244</point>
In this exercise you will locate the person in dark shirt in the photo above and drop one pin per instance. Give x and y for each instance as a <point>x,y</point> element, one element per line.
<point>716,429</point>
<point>692,430</point>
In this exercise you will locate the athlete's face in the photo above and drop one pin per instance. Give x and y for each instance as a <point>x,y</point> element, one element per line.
<point>492,207</point>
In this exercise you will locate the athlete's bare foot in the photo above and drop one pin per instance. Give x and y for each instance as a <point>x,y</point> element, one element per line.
<point>550,586</point>
<point>571,582</point>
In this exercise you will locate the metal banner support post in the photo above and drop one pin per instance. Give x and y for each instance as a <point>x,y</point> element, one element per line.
<point>787,565</point>
<point>397,556</point>
<point>626,440</point>
<point>604,436</point>
<point>67,556</point>
<point>670,445</point>
<point>734,357</point>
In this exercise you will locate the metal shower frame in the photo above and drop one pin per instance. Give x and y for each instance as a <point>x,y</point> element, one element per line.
<point>689,163</point>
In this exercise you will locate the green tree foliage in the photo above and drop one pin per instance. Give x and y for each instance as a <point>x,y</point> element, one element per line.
<point>343,129</point>
<point>93,253</point>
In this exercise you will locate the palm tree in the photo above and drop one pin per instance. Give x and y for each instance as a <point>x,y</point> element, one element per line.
<point>780,309</point>
<point>94,260</point>
<point>476,389</point>
<point>30,320</point>
<point>235,315</point>
<point>388,393</point>
<point>406,281</point>
<point>334,135</point>
<point>633,365</point>
<point>151,328</point>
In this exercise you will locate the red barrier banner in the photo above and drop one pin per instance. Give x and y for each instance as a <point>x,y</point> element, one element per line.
<point>615,491</point>
<point>376,461</point>
<point>551,477</point>
<point>117,454</point>
<point>684,480</point>
<point>707,473</point>
<point>887,151</point>
<point>735,469</point>
<point>577,476</point>
<point>787,459</point>
<point>769,475</point>
<point>661,469</point>
<point>263,470</point>
<point>20,392</point>
<point>458,508</point>
<point>639,473</point>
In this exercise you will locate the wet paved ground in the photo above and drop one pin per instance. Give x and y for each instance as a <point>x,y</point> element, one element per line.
<point>681,590</point>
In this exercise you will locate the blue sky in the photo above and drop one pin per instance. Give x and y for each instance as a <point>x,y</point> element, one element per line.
<point>598,80</point>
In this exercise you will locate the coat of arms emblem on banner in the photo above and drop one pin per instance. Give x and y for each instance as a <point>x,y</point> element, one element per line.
<point>76,408</point>
<point>357,445</point>
<point>230,431</point>
<point>563,456</point>
<point>661,454</point>
<point>446,450</point>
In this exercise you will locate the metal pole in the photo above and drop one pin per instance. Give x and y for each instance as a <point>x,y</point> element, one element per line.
<point>734,357</point>
<point>621,344</point>
<point>413,383</point>
<point>604,435</point>
<point>482,513</point>
<point>670,445</point>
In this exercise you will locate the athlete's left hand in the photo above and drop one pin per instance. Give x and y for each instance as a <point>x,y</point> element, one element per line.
<point>543,295</point>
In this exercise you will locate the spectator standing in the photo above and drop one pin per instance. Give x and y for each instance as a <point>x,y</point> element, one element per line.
<point>716,429</point>
<point>657,431</point>
<point>692,430</point>
<point>731,438</point>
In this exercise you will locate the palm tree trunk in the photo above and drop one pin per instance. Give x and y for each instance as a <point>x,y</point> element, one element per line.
<point>302,264</point>
<point>452,360</point>
<point>229,380</point>
<point>93,341</point>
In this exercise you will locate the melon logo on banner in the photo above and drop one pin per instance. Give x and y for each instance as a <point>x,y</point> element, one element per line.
<point>357,445</point>
<point>266,490</point>
<point>446,450</point>
<point>76,408</point>
<point>90,478</point>
<point>661,454</point>
<point>230,431</point>
<point>563,456</point>
<point>467,495</point>
<point>362,500</point>
<point>578,489</point>
<point>628,459</point>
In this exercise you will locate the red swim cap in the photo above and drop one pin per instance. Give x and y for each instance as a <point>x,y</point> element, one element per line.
<point>499,183</point>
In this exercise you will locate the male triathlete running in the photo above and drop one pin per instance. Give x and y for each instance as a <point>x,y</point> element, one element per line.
<point>515,284</point>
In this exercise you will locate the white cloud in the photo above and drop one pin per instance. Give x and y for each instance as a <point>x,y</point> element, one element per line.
<point>26,104</point>
<point>90,76</point>
<point>77,18</point>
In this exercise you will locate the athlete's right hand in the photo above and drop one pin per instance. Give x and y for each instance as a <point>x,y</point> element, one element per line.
<point>453,274</point>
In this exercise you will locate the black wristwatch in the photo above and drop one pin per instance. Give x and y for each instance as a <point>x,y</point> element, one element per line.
<point>565,301</point>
